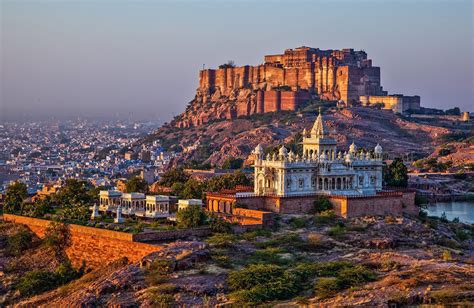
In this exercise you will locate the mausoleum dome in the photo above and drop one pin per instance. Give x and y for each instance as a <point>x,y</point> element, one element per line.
<point>352,148</point>
<point>378,149</point>
<point>258,149</point>
<point>348,158</point>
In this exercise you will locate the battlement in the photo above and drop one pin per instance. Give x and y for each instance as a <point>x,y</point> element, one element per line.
<point>285,82</point>
<point>332,74</point>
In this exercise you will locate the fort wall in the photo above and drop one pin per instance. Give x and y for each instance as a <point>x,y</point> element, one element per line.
<point>284,82</point>
<point>96,247</point>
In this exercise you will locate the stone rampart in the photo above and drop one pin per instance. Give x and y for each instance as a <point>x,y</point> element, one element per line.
<point>167,235</point>
<point>94,246</point>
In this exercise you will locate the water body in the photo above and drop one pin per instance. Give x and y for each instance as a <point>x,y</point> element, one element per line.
<point>464,210</point>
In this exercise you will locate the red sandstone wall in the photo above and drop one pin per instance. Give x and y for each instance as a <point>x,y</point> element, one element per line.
<point>95,246</point>
<point>288,100</point>
<point>375,206</point>
<point>264,218</point>
<point>272,101</point>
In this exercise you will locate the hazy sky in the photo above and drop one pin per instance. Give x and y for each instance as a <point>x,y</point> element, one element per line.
<point>141,58</point>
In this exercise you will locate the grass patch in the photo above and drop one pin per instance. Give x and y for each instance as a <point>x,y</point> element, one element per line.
<point>222,240</point>
<point>256,233</point>
<point>284,240</point>
<point>268,255</point>
<point>337,231</point>
<point>298,222</point>
<point>325,217</point>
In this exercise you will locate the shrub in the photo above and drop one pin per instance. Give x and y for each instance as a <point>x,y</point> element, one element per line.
<point>191,217</point>
<point>352,276</point>
<point>447,255</point>
<point>285,240</point>
<point>337,231</point>
<point>36,282</point>
<point>462,235</point>
<point>219,225</point>
<point>40,281</point>
<point>222,261</point>
<point>444,152</point>
<point>330,268</point>
<point>162,266</point>
<point>58,236</point>
<point>268,256</point>
<point>298,222</point>
<point>138,228</point>
<point>443,218</point>
<point>325,217</point>
<point>321,204</point>
<point>222,240</point>
<point>19,242</point>
<point>346,275</point>
<point>420,200</point>
<point>162,300</point>
<point>316,241</point>
<point>326,287</point>
<point>255,233</point>
<point>262,282</point>
<point>447,242</point>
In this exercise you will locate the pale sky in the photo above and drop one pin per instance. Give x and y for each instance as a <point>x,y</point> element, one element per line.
<point>140,59</point>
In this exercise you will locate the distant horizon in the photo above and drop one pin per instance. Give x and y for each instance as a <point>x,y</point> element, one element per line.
<point>140,60</point>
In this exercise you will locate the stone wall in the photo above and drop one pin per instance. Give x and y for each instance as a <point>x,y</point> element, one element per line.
<point>94,246</point>
<point>395,204</point>
<point>167,235</point>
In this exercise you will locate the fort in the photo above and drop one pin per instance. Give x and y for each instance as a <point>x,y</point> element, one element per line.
<point>286,81</point>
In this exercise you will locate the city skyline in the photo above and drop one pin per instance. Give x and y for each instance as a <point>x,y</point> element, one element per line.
<point>89,58</point>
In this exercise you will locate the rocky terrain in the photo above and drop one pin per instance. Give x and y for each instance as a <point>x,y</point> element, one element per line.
<point>215,141</point>
<point>404,261</point>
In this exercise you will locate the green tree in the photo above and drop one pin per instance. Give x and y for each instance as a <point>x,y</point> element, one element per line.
<point>396,174</point>
<point>177,189</point>
<point>295,144</point>
<point>136,184</point>
<point>192,189</point>
<point>94,193</point>
<point>74,192</point>
<point>176,175</point>
<point>19,242</point>
<point>227,181</point>
<point>191,217</point>
<point>229,64</point>
<point>38,208</point>
<point>322,204</point>
<point>58,236</point>
<point>232,163</point>
<point>15,195</point>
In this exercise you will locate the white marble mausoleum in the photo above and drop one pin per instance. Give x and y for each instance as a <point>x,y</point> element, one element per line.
<point>320,170</point>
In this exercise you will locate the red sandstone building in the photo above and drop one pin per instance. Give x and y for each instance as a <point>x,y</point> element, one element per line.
<point>241,205</point>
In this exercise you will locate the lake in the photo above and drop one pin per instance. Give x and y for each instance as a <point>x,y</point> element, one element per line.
<point>462,209</point>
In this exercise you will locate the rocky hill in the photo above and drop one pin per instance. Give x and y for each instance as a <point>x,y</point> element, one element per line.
<point>361,262</point>
<point>217,140</point>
